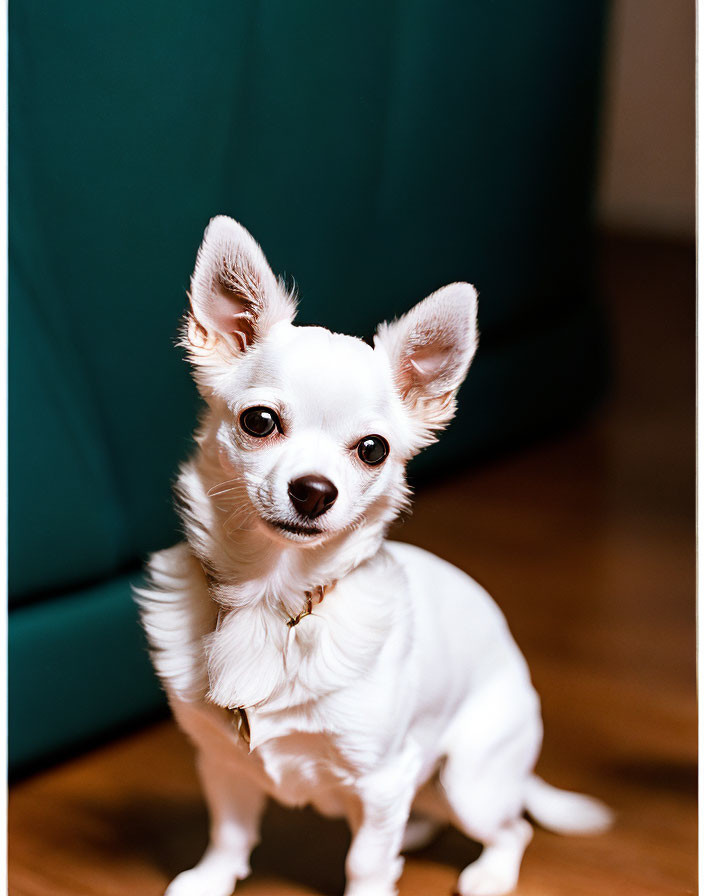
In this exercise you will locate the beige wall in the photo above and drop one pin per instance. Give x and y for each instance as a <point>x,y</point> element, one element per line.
<point>648,144</point>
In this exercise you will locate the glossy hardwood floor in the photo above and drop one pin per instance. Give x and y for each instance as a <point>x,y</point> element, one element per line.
<point>587,543</point>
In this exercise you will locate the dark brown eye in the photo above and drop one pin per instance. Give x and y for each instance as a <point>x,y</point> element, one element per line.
<point>373,450</point>
<point>259,422</point>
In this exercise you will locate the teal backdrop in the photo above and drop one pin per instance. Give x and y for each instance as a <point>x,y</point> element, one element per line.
<point>376,150</point>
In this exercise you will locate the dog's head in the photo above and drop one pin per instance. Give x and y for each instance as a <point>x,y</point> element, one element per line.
<point>313,428</point>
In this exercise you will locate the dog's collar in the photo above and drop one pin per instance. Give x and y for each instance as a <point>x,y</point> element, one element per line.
<point>313,597</point>
<point>241,722</point>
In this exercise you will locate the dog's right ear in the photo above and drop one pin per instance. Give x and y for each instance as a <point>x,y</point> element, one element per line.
<point>430,349</point>
<point>235,297</point>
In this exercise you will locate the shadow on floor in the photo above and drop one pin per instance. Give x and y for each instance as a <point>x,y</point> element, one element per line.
<point>297,846</point>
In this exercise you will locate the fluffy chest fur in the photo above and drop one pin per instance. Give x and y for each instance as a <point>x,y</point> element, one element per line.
<point>293,681</point>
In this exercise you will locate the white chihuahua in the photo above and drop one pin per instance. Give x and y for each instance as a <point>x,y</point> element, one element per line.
<point>307,658</point>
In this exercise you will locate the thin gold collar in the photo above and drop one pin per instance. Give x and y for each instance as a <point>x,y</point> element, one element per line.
<point>241,721</point>
<point>313,598</point>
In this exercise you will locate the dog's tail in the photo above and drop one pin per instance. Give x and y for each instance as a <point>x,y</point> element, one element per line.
<point>565,812</point>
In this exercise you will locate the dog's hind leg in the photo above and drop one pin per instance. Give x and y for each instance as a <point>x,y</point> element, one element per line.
<point>485,810</point>
<point>235,804</point>
<point>493,748</point>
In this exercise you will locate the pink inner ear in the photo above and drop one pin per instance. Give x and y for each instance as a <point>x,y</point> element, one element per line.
<point>228,314</point>
<point>428,361</point>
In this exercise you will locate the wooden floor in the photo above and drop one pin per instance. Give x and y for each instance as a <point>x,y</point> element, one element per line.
<point>587,543</point>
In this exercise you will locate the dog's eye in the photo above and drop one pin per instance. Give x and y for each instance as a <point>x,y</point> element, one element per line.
<point>259,422</point>
<point>373,450</point>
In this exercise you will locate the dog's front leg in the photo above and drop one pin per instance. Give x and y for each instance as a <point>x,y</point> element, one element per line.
<point>378,824</point>
<point>235,804</point>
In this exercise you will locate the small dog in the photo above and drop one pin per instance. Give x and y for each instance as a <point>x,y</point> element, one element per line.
<point>307,658</point>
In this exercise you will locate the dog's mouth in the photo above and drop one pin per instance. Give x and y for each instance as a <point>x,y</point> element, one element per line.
<point>295,529</point>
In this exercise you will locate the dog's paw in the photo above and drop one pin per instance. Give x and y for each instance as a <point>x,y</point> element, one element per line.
<point>370,890</point>
<point>486,880</point>
<point>200,881</point>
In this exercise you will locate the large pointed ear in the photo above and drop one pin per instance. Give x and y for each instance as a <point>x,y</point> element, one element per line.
<point>235,297</point>
<point>430,349</point>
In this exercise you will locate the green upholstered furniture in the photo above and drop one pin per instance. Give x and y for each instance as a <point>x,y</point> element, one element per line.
<point>377,151</point>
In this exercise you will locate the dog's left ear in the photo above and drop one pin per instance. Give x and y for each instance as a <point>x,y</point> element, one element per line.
<point>235,297</point>
<point>430,349</point>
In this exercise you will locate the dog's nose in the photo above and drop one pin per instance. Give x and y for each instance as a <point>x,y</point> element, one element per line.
<point>312,495</point>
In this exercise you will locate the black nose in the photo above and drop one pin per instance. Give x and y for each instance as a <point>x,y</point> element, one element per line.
<point>312,495</point>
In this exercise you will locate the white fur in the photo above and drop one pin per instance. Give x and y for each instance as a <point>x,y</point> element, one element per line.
<point>403,689</point>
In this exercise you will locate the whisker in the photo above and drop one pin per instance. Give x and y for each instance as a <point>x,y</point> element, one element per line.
<point>233,489</point>
<point>222,487</point>
<point>229,530</point>
<point>232,484</point>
